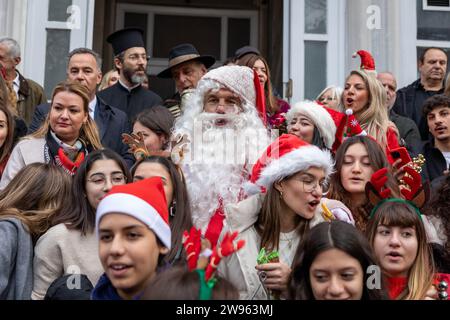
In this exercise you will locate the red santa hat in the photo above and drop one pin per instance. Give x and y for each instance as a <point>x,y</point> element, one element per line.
<point>367,61</point>
<point>319,115</point>
<point>286,156</point>
<point>144,200</point>
<point>353,127</point>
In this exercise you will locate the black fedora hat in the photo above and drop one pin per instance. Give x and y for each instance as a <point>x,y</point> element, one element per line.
<point>183,53</point>
<point>246,50</point>
<point>124,39</point>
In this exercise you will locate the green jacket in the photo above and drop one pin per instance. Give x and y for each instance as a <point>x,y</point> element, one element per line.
<point>31,95</point>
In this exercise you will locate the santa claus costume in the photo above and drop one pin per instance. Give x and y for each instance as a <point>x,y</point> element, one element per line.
<point>222,147</point>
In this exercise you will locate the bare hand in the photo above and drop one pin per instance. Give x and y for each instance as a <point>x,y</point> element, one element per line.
<point>432,294</point>
<point>277,275</point>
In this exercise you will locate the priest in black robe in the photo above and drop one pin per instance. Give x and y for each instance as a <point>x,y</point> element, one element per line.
<point>131,59</point>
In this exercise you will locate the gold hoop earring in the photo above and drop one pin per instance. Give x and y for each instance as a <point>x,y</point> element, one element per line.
<point>281,194</point>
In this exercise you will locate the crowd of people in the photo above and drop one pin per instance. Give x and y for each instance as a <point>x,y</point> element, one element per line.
<point>223,190</point>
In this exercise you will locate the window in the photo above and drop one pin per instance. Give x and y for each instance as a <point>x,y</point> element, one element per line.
<point>433,25</point>
<point>316,46</point>
<point>55,27</point>
<point>436,5</point>
<point>214,32</point>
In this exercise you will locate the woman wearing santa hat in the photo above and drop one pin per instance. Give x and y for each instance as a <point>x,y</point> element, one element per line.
<point>312,123</point>
<point>365,97</point>
<point>132,223</point>
<point>293,175</point>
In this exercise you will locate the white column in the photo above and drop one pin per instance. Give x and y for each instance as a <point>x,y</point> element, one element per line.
<point>13,20</point>
<point>392,42</point>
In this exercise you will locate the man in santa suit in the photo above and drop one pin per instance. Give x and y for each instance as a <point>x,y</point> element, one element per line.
<point>224,124</point>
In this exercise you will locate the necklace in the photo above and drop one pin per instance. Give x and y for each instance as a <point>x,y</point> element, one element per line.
<point>289,237</point>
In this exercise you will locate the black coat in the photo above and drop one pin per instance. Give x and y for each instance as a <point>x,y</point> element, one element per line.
<point>408,131</point>
<point>435,164</point>
<point>131,102</point>
<point>111,123</point>
<point>409,103</point>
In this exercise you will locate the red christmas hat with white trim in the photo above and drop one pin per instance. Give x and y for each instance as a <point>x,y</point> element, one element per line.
<point>367,61</point>
<point>284,157</point>
<point>353,126</point>
<point>144,200</point>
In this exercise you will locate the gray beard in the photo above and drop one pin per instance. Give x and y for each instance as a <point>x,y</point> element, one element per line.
<point>132,77</point>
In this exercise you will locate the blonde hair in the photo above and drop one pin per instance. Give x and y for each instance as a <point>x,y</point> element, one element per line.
<point>374,119</point>
<point>89,131</point>
<point>105,81</point>
<point>336,93</point>
<point>421,273</point>
<point>35,195</point>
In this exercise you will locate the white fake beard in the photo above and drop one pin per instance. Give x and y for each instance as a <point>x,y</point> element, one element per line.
<point>215,171</point>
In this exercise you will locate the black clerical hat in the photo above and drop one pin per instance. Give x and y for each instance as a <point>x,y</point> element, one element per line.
<point>125,39</point>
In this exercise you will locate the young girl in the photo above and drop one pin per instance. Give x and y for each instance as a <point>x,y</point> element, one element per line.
<point>333,264</point>
<point>356,160</point>
<point>70,246</point>
<point>176,196</point>
<point>397,234</point>
<point>132,223</point>
<point>27,205</point>
<point>155,124</point>
<point>366,97</point>
<point>293,174</point>
<point>312,123</point>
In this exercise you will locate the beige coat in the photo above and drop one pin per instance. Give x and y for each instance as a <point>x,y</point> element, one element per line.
<point>27,151</point>
<point>239,268</point>
<point>62,251</point>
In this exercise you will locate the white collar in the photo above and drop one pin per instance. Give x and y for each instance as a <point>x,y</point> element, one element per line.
<point>128,88</point>
<point>92,106</point>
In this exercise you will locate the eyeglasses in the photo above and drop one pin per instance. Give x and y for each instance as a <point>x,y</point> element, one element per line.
<point>115,179</point>
<point>309,185</point>
<point>135,57</point>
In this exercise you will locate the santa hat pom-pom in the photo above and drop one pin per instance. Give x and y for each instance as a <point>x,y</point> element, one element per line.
<point>355,54</point>
<point>349,112</point>
<point>251,189</point>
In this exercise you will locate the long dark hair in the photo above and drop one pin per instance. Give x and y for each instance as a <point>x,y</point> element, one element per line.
<point>7,146</point>
<point>180,219</point>
<point>249,60</point>
<point>325,236</point>
<point>37,193</point>
<point>378,161</point>
<point>81,215</point>
<point>268,224</point>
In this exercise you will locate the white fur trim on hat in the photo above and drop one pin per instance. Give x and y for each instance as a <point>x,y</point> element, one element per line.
<point>137,208</point>
<point>295,161</point>
<point>319,116</point>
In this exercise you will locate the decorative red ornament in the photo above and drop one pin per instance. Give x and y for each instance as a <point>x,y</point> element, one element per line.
<point>367,61</point>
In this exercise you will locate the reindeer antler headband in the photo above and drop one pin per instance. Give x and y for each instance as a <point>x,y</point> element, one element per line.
<point>415,194</point>
<point>204,260</point>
